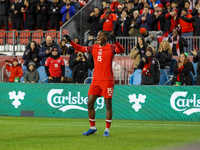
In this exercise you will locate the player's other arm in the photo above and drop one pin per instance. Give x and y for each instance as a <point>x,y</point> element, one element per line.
<point>116,47</point>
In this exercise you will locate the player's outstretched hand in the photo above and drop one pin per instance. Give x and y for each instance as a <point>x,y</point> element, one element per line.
<point>112,38</point>
<point>67,38</point>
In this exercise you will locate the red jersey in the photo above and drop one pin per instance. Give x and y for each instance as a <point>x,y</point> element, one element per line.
<point>14,72</point>
<point>108,23</point>
<point>102,57</point>
<point>186,26</point>
<point>55,66</point>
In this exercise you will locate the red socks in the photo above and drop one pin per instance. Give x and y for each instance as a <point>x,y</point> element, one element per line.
<point>92,122</point>
<point>108,123</point>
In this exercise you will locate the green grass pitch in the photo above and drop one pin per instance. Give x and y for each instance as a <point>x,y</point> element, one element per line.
<point>35,133</point>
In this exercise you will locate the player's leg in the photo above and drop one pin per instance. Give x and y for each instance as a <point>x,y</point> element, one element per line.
<point>91,114</point>
<point>108,102</point>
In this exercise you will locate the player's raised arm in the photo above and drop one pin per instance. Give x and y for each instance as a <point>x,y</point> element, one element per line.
<point>119,48</point>
<point>76,46</point>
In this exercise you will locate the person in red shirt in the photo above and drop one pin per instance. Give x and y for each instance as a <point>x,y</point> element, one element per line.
<point>103,78</point>
<point>15,70</point>
<point>108,20</point>
<point>55,67</point>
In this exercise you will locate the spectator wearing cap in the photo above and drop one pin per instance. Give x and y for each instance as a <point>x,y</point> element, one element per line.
<point>177,42</point>
<point>46,48</point>
<point>123,24</point>
<point>182,71</point>
<point>55,67</point>
<point>159,18</point>
<point>150,10</point>
<point>67,11</point>
<point>145,20</point>
<point>171,21</point>
<point>168,8</point>
<point>153,2</point>
<point>186,28</point>
<point>131,8</point>
<point>109,20</point>
<point>94,19</point>
<point>134,27</point>
<point>150,37</point>
<point>32,75</point>
<point>150,68</point>
<point>139,51</point>
<point>15,70</point>
<point>119,11</point>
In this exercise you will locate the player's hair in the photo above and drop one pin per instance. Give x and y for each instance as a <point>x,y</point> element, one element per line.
<point>105,32</point>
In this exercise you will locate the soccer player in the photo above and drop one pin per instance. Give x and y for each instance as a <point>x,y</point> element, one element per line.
<point>103,78</point>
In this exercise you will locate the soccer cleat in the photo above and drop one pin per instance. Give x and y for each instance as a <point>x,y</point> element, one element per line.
<point>90,131</point>
<point>106,133</point>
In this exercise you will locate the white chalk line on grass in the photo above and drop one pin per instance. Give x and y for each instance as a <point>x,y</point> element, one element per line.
<point>100,123</point>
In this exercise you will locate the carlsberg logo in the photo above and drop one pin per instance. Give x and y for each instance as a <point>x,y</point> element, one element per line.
<point>187,106</point>
<point>70,101</point>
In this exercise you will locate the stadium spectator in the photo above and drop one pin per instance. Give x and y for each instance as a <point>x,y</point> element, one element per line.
<point>146,5</point>
<point>187,6</point>
<point>119,11</point>
<point>16,15</point>
<point>150,37</point>
<point>177,42</point>
<point>145,20</point>
<point>134,27</point>
<point>80,66</point>
<point>114,5</point>
<point>196,59</point>
<point>62,3</point>
<point>150,68</point>
<point>15,70</point>
<point>186,28</point>
<point>153,2</point>
<point>195,9</point>
<point>164,56</point>
<point>55,67</point>
<point>139,51</point>
<point>29,15</point>
<point>63,46</point>
<point>109,20</point>
<point>182,71</point>
<point>4,6</point>
<point>54,12</point>
<point>123,24</point>
<point>140,6</point>
<point>94,19</point>
<point>31,54</point>
<point>67,11</point>
<point>159,18</point>
<point>32,75</point>
<point>72,52</point>
<point>42,14</point>
<point>76,5</point>
<point>46,48</point>
<point>131,8</point>
<point>168,8</point>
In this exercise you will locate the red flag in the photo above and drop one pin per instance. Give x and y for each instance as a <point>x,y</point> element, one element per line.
<point>164,37</point>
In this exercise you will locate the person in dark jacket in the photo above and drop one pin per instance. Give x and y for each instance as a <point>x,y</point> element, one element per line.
<point>145,20</point>
<point>4,5</point>
<point>32,75</point>
<point>29,11</point>
<point>182,71</point>
<point>134,29</point>
<point>177,42</point>
<point>16,14</point>
<point>150,69</point>
<point>123,24</point>
<point>63,46</point>
<point>93,19</point>
<point>164,56</point>
<point>54,12</point>
<point>196,59</point>
<point>131,8</point>
<point>80,66</point>
<point>42,15</point>
<point>46,48</point>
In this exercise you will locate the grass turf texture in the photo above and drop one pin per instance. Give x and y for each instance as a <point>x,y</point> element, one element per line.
<point>63,133</point>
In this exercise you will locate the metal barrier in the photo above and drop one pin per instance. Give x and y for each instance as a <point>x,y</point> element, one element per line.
<point>120,77</point>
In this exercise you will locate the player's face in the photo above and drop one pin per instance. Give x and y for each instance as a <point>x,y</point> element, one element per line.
<point>101,38</point>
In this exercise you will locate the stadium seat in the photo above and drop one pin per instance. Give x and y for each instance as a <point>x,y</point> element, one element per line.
<point>24,69</point>
<point>38,36</point>
<point>68,72</point>
<point>25,37</point>
<point>163,77</point>
<point>192,78</point>
<point>10,37</point>
<point>88,80</point>
<point>43,75</point>
<point>2,37</point>
<point>195,67</point>
<point>136,77</point>
<point>174,61</point>
<point>10,26</point>
<point>52,34</point>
